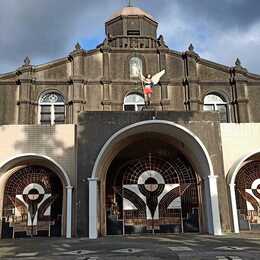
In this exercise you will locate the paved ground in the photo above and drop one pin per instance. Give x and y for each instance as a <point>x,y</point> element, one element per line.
<point>158,247</point>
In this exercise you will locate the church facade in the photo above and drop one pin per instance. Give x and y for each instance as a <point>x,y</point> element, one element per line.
<point>82,155</point>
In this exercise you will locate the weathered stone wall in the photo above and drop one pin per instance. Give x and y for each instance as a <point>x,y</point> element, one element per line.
<point>95,128</point>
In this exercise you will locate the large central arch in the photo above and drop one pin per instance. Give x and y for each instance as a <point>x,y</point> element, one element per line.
<point>190,145</point>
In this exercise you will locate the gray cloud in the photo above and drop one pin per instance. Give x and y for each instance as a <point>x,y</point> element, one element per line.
<point>48,29</point>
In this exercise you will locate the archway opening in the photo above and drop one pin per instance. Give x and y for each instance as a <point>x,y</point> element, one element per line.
<point>33,203</point>
<point>247,190</point>
<point>179,137</point>
<point>151,187</point>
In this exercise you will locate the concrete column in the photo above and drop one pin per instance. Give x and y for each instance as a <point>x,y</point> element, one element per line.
<point>211,188</point>
<point>234,207</point>
<point>69,211</point>
<point>93,216</point>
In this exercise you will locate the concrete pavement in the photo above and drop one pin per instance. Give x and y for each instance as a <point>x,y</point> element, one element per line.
<point>184,246</point>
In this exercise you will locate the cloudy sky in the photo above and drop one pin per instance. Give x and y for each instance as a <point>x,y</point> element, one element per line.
<point>48,29</point>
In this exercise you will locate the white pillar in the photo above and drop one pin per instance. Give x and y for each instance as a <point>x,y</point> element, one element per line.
<point>93,216</point>
<point>69,211</point>
<point>213,205</point>
<point>234,207</point>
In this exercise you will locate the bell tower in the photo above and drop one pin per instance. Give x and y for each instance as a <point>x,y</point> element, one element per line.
<point>132,27</point>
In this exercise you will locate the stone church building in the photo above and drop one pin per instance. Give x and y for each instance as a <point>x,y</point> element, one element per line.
<point>81,154</point>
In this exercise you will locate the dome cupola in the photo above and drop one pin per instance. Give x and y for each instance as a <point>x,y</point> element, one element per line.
<point>131,21</point>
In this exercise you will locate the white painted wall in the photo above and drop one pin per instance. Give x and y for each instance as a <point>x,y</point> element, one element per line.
<point>56,142</point>
<point>238,140</point>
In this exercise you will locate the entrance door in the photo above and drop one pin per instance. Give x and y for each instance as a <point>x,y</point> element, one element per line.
<point>156,196</point>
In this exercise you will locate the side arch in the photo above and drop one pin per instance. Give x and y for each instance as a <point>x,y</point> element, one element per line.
<point>231,179</point>
<point>17,159</point>
<point>9,166</point>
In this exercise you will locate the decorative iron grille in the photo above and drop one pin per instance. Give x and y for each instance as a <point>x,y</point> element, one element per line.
<point>156,195</point>
<point>32,203</point>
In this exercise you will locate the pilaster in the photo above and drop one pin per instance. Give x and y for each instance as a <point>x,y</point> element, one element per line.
<point>239,93</point>
<point>76,99</point>
<point>162,51</point>
<point>25,103</point>
<point>106,82</point>
<point>191,81</point>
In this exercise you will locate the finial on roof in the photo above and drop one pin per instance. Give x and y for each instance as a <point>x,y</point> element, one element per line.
<point>27,61</point>
<point>77,47</point>
<point>238,62</point>
<point>161,42</point>
<point>191,47</point>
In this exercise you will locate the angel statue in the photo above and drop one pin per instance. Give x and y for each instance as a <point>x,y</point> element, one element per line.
<point>149,83</point>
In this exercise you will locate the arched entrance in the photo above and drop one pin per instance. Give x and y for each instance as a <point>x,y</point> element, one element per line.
<point>184,142</point>
<point>152,188</point>
<point>244,185</point>
<point>35,198</point>
<point>32,203</point>
<point>248,196</point>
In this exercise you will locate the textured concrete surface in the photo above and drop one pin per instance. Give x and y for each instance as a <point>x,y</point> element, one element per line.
<point>198,247</point>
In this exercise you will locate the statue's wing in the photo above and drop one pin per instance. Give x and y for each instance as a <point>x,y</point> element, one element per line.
<point>156,77</point>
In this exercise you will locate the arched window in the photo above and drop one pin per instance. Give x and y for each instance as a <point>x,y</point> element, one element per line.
<point>133,102</point>
<point>51,109</point>
<point>136,66</point>
<point>213,102</point>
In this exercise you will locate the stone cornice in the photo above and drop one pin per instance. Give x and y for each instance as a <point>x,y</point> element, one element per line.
<point>165,102</point>
<point>105,81</point>
<point>51,64</point>
<point>52,82</point>
<point>106,102</point>
<point>192,54</point>
<point>175,82</point>
<point>214,65</point>
<point>8,82</point>
<point>26,102</point>
<point>131,50</point>
<point>175,53</point>
<point>214,82</point>
<point>76,79</point>
<point>120,17</point>
<point>76,101</point>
